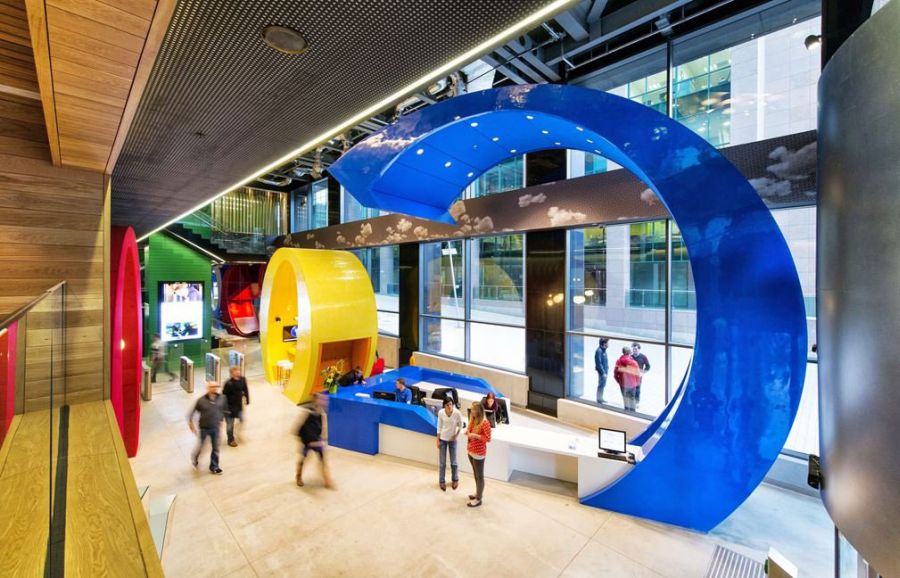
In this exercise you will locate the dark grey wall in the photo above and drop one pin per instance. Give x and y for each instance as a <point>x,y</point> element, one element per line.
<point>858,280</point>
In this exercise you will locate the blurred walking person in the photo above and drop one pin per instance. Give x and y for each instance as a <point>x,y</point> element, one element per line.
<point>313,434</point>
<point>211,411</point>
<point>158,358</point>
<point>236,391</point>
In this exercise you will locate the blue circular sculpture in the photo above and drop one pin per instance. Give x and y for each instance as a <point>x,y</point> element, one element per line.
<point>730,418</point>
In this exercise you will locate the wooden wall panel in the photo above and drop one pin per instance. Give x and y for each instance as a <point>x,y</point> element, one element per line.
<point>51,229</point>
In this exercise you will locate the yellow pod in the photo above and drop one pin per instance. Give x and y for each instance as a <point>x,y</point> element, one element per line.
<point>317,309</point>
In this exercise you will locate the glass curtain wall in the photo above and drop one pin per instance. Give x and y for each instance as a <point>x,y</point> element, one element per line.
<point>507,176</point>
<point>473,300</point>
<point>353,210</point>
<point>745,81</point>
<point>383,266</point>
<point>618,290</point>
<point>318,204</point>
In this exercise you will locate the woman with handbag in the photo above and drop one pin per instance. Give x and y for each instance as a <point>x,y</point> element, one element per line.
<point>479,434</point>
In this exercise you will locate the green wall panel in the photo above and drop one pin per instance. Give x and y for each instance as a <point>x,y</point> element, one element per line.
<point>166,259</point>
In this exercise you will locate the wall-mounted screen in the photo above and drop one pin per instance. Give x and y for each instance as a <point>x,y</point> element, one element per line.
<point>289,333</point>
<point>181,310</point>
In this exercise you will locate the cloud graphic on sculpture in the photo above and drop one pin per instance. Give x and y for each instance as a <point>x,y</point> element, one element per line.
<point>404,225</point>
<point>310,236</point>
<point>649,197</point>
<point>381,140</point>
<point>484,224</point>
<point>791,165</point>
<point>456,209</point>
<point>319,245</point>
<point>768,188</point>
<point>341,239</point>
<point>420,232</point>
<point>365,229</point>
<point>563,217</point>
<point>526,200</point>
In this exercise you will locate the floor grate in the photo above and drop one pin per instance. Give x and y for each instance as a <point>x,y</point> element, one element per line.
<point>727,563</point>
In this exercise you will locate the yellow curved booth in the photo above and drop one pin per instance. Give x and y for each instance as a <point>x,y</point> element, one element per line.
<point>317,308</point>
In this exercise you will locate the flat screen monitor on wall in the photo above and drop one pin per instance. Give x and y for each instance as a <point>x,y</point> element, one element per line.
<point>180,310</point>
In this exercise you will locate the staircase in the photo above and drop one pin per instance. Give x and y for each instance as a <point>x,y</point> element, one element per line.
<point>225,246</point>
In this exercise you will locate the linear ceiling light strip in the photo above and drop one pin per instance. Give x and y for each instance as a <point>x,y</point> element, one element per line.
<point>453,65</point>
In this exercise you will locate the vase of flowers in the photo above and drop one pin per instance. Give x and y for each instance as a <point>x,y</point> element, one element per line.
<point>332,375</point>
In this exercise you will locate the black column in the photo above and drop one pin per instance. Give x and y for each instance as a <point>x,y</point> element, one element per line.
<point>840,19</point>
<point>334,202</point>
<point>545,359</point>
<point>545,167</point>
<point>409,301</point>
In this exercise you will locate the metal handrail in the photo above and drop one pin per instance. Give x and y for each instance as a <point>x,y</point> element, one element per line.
<point>24,309</point>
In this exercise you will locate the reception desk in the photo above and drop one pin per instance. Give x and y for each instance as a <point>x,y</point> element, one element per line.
<point>360,422</point>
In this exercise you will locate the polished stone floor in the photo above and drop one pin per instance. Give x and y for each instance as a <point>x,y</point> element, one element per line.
<point>387,517</point>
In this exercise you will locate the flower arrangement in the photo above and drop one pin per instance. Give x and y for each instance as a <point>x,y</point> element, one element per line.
<point>332,375</point>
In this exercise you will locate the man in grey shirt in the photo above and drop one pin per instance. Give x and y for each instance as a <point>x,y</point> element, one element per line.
<point>448,427</point>
<point>211,409</point>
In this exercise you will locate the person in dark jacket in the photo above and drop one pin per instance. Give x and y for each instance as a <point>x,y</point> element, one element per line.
<point>601,364</point>
<point>643,364</point>
<point>494,411</point>
<point>352,377</point>
<point>313,434</point>
<point>211,410</point>
<point>236,391</point>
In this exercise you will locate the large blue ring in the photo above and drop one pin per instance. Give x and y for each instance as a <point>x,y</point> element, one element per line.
<point>729,420</point>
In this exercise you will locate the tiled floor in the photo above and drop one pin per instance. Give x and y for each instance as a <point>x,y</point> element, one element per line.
<point>387,517</point>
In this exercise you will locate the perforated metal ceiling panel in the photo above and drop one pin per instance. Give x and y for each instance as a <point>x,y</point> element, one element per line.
<point>220,104</point>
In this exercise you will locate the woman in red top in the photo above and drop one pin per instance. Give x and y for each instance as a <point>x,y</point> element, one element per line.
<point>479,434</point>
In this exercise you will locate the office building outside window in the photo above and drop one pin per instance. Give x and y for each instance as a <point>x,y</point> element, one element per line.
<point>506,176</point>
<point>383,266</point>
<point>629,258</point>
<point>473,300</point>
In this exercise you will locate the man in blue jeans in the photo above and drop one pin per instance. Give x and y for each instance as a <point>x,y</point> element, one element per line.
<point>211,409</point>
<point>448,428</point>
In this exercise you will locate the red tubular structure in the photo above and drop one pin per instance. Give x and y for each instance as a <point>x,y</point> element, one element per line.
<point>7,378</point>
<point>125,359</point>
<point>237,295</point>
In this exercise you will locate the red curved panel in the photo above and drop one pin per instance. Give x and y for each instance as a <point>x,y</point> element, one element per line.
<point>237,297</point>
<point>126,322</point>
<point>7,377</point>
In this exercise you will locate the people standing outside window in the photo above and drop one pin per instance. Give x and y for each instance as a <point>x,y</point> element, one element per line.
<point>479,434</point>
<point>628,376</point>
<point>313,432</point>
<point>449,425</point>
<point>236,391</point>
<point>211,410</point>
<point>643,364</point>
<point>402,394</point>
<point>158,358</point>
<point>601,364</point>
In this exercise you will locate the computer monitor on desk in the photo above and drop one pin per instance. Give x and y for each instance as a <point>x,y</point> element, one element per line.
<point>385,395</point>
<point>612,441</point>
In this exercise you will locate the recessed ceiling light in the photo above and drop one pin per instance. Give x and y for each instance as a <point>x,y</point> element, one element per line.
<point>579,129</point>
<point>448,164</point>
<point>473,124</point>
<point>589,141</point>
<point>545,131</point>
<point>284,39</point>
<point>529,117</point>
<point>470,174</point>
<point>495,139</point>
<point>420,151</point>
<point>513,151</point>
<point>558,143</point>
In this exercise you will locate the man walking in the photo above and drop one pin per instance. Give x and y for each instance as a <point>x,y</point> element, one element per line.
<point>235,391</point>
<point>601,364</point>
<point>448,428</point>
<point>643,365</point>
<point>211,411</point>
